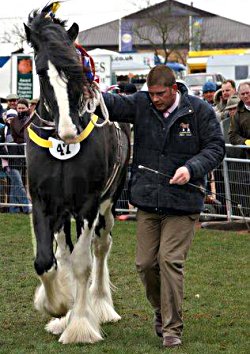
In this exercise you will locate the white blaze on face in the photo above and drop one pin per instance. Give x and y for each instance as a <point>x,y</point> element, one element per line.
<point>66,129</point>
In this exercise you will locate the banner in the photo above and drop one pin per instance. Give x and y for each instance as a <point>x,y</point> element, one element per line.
<point>196,33</point>
<point>25,76</point>
<point>126,38</point>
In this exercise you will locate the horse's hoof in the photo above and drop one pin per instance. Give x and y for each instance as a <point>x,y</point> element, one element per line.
<point>56,325</point>
<point>80,331</point>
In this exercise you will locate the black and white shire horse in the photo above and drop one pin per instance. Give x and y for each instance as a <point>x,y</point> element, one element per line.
<point>76,170</point>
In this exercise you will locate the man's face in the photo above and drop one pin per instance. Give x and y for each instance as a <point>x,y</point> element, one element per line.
<point>209,96</point>
<point>12,104</point>
<point>227,91</point>
<point>162,97</point>
<point>21,108</point>
<point>244,94</point>
<point>232,111</point>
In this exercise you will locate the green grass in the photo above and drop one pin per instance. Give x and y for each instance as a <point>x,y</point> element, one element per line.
<point>215,322</point>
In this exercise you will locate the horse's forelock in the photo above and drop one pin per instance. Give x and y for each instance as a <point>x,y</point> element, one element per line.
<point>36,14</point>
<point>61,52</point>
<point>53,38</point>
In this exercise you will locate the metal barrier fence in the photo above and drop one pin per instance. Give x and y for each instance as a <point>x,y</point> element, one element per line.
<point>14,193</point>
<point>230,191</point>
<point>229,185</point>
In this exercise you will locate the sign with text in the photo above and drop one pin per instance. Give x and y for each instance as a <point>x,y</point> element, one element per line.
<point>25,76</point>
<point>146,58</point>
<point>103,68</point>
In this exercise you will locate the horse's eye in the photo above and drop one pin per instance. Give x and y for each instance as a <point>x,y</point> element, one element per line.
<point>42,72</point>
<point>35,47</point>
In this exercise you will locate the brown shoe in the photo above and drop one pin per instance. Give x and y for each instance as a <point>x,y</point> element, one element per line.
<point>158,324</point>
<point>170,341</point>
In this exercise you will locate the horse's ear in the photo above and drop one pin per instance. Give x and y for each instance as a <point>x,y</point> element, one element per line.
<point>27,32</point>
<point>73,32</point>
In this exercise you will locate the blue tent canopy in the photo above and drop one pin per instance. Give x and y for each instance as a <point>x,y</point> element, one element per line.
<point>3,60</point>
<point>176,66</point>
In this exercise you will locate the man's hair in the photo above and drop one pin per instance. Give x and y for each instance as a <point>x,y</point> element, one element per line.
<point>243,83</point>
<point>232,82</point>
<point>23,101</point>
<point>161,75</point>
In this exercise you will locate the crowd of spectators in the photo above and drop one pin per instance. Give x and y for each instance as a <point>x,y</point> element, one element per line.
<point>13,176</point>
<point>232,108</point>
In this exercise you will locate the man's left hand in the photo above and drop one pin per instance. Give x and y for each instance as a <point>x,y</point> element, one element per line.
<point>181,176</point>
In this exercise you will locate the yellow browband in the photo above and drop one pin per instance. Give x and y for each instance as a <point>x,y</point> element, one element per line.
<point>48,144</point>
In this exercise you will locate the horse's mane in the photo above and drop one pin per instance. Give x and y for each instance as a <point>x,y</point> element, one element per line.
<point>51,37</point>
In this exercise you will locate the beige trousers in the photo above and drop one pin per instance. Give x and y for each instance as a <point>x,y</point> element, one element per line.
<point>162,246</point>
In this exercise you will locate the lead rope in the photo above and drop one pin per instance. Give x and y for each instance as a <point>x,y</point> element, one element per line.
<point>203,190</point>
<point>92,103</point>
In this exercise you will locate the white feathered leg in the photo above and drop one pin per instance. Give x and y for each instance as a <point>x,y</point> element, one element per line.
<point>83,326</point>
<point>55,295</point>
<point>101,296</point>
<point>57,325</point>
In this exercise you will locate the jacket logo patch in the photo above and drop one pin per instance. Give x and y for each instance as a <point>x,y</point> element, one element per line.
<point>185,130</point>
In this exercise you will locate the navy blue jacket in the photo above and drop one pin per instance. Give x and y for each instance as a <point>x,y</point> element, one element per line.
<point>191,136</point>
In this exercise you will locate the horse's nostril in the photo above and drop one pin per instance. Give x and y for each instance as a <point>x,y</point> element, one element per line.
<point>70,140</point>
<point>67,132</point>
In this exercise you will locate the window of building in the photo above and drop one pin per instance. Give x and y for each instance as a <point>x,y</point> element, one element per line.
<point>241,72</point>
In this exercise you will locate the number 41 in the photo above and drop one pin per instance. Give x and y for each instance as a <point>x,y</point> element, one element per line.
<point>63,149</point>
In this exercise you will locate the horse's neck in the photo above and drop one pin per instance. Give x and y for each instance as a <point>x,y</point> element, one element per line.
<point>85,119</point>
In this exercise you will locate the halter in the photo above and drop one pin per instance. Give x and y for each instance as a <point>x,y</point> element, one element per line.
<point>48,144</point>
<point>91,104</point>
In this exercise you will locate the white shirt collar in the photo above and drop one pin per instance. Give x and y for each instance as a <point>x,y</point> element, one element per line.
<point>174,105</point>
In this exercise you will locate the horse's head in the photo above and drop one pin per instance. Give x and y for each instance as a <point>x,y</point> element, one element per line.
<point>60,71</point>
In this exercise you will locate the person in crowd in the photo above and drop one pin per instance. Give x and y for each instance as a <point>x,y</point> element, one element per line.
<point>121,87</point>
<point>239,131</point>
<point>33,104</point>
<point>3,178</point>
<point>231,108</point>
<point>177,135</point>
<point>239,134</point>
<point>122,203</point>
<point>1,113</point>
<point>228,88</point>
<point>129,89</point>
<point>11,101</point>
<point>13,167</point>
<point>208,90</point>
<point>18,122</point>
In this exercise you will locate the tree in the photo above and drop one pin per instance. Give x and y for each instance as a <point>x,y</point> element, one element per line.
<point>165,28</point>
<point>15,35</point>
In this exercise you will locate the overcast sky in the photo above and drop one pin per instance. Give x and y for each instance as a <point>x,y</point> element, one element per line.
<point>90,13</point>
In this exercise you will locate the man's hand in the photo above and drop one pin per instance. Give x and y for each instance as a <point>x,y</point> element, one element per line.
<point>87,93</point>
<point>181,176</point>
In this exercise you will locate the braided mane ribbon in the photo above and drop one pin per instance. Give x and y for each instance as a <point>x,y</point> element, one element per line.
<point>49,10</point>
<point>87,62</point>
